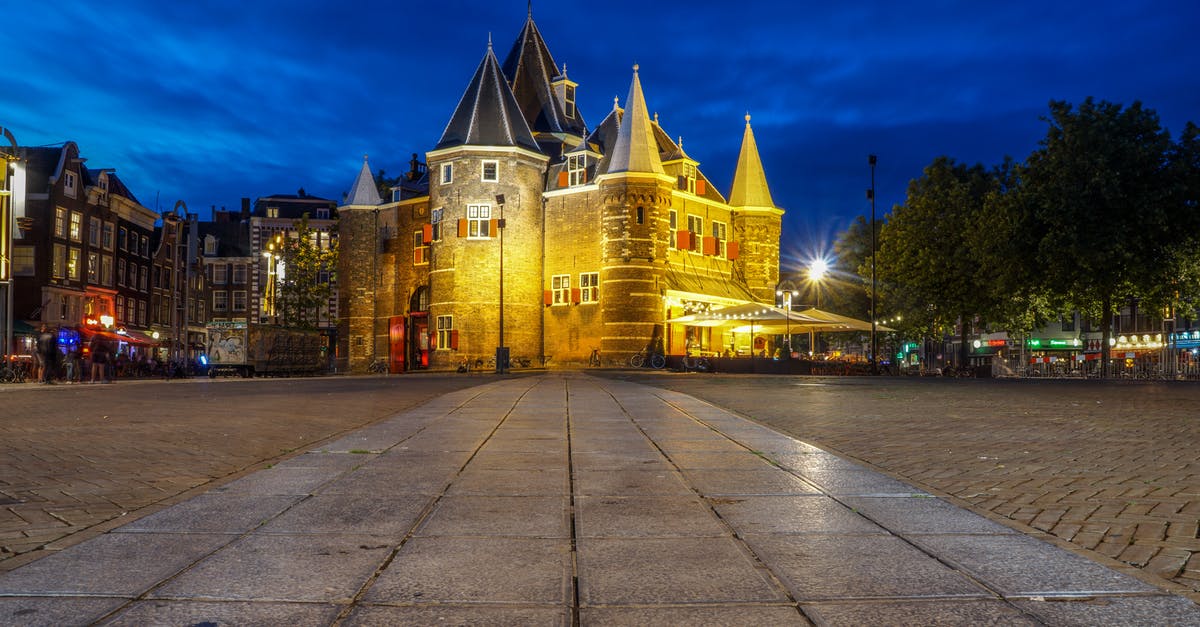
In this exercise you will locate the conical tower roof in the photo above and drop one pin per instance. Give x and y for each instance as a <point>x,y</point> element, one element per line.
<point>363,191</point>
<point>636,149</point>
<point>749,180</point>
<point>531,71</point>
<point>487,113</point>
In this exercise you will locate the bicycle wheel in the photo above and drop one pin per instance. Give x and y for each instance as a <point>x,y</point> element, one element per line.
<point>658,361</point>
<point>638,360</point>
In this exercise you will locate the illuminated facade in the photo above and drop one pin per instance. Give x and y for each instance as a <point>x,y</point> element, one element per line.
<point>529,229</point>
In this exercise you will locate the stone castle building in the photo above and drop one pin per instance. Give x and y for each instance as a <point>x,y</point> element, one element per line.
<point>530,230</point>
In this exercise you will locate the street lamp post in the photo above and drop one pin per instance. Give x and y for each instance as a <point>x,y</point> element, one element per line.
<point>501,350</point>
<point>871,159</point>
<point>786,301</point>
<point>816,272</point>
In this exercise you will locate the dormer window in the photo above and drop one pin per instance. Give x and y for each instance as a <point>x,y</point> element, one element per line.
<point>687,180</point>
<point>576,170</point>
<point>69,184</point>
<point>569,101</point>
<point>322,214</point>
<point>272,212</point>
<point>210,246</point>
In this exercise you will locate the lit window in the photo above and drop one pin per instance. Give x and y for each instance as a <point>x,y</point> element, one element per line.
<point>696,226</point>
<point>560,285</point>
<point>73,257</point>
<point>59,267</point>
<point>60,222</point>
<point>272,212</point>
<point>479,218</point>
<point>445,332</point>
<point>589,284</point>
<point>491,171</point>
<point>420,249</point>
<point>76,226</point>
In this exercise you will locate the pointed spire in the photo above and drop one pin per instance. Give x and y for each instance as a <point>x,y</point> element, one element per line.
<point>363,192</point>
<point>749,180</point>
<point>532,73</point>
<point>635,149</point>
<point>487,114</point>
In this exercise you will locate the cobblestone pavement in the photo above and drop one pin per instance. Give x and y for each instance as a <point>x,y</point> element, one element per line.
<point>76,460</point>
<point>1111,468</point>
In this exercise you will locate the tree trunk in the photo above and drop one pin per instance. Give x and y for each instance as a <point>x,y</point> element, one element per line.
<point>1106,333</point>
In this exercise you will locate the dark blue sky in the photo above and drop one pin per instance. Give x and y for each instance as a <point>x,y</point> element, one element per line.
<point>215,100</point>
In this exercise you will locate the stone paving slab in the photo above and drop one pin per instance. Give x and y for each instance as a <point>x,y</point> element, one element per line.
<point>479,507</point>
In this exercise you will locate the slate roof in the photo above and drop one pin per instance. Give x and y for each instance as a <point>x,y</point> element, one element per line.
<point>749,179</point>
<point>40,165</point>
<point>116,186</point>
<point>636,149</point>
<point>363,191</point>
<point>233,238</point>
<point>530,70</point>
<point>488,114</point>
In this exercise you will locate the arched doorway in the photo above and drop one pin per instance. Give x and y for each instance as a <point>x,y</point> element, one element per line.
<point>418,329</point>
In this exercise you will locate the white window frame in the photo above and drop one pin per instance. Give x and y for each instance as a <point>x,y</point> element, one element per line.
<point>495,171</point>
<point>720,231</point>
<point>69,184</point>
<point>106,239</point>
<point>435,218</point>
<point>58,266</point>
<point>93,271</point>
<point>210,245</point>
<point>569,102</point>
<point>123,238</point>
<point>689,176</point>
<point>272,212</point>
<point>445,328</point>
<point>220,274</point>
<point>220,301</point>
<point>120,272</point>
<point>696,225</point>
<point>106,270</point>
<point>479,221</point>
<point>94,232</point>
<point>560,287</point>
<point>447,173</point>
<point>576,170</point>
<point>589,288</point>
<point>239,301</point>
<point>143,277</point>
<point>239,274</point>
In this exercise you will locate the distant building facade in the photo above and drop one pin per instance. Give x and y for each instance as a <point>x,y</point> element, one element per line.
<point>534,232</point>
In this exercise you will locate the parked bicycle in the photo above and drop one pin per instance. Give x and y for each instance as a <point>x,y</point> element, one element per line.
<point>379,367</point>
<point>14,372</point>
<point>695,363</point>
<point>643,358</point>
<point>594,359</point>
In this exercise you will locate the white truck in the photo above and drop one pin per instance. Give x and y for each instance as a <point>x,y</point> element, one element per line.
<point>263,350</point>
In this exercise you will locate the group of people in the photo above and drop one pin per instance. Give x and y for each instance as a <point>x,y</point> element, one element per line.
<point>51,360</point>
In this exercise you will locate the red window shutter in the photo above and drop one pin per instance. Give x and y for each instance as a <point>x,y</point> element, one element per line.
<point>575,296</point>
<point>562,178</point>
<point>462,227</point>
<point>683,240</point>
<point>701,187</point>
<point>548,298</point>
<point>710,246</point>
<point>493,227</point>
<point>731,250</point>
<point>417,256</point>
<point>427,233</point>
<point>454,339</point>
<point>433,340</point>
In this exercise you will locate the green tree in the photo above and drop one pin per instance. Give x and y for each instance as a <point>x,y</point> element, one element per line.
<point>1101,187</point>
<point>306,284</point>
<point>930,268</point>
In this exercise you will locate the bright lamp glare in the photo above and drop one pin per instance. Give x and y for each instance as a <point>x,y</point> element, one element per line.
<point>817,269</point>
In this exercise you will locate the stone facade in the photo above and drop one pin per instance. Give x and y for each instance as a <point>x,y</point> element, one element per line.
<point>607,234</point>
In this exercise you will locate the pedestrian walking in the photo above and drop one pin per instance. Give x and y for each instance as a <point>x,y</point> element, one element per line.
<point>47,345</point>
<point>99,349</point>
<point>74,360</point>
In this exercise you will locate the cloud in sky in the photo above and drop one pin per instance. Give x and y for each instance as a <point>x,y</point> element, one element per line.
<point>212,101</point>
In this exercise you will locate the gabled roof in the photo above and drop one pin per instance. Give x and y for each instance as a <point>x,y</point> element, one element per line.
<point>116,187</point>
<point>233,238</point>
<point>530,70</point>
<point>749,180</point>
<point>363,191</point>
<point>636,149</point>
<point>487,113</point>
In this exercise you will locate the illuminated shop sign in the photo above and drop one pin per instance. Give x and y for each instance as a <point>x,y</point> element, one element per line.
<point>1054,343</point>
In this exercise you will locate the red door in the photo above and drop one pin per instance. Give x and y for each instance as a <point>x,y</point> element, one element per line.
<point>396,344</point>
